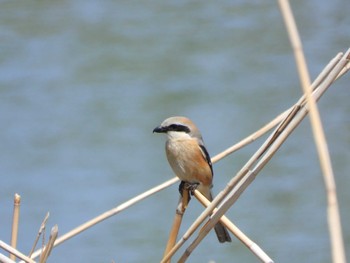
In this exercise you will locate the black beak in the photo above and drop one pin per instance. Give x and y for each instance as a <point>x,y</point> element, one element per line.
<point>160,129</point>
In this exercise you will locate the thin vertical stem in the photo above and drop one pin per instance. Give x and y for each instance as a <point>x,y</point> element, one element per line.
<point>338,254</point>
<point>15,221</point>
<point>180,210</point>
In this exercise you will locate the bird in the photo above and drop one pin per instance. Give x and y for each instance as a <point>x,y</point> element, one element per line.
<point>190,160</point>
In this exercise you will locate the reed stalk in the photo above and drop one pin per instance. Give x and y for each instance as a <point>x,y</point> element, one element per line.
<point>344,70</point>
<point>180,210</point>
<point>41,229</point>
<point>4,259</point>
<point>173,233</point>
<point>253,247</point>
<point>15,222</point>
<point>15,252</point>
<point>334,224</point>
<point>48,248</point>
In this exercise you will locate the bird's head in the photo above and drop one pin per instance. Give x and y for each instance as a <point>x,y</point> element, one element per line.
<point>178,127</point>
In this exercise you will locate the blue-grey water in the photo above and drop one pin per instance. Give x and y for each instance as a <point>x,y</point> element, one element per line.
<point>83,84</point>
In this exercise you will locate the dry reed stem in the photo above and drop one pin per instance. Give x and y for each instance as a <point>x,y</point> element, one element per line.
<point>257,251</point>
<point>48,248</point>
<point>4,259</point>
<point>344,70</point>
<point>243,184</point>
<point>334,224</point>
<point>15,252</point>
<point>173,234</point>
<point>41,229</point>
<point>180,210</point>
<point>15,221</point>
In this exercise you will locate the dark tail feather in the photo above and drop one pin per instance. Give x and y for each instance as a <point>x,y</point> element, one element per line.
<point>222,233</point>
<point>220,230</point>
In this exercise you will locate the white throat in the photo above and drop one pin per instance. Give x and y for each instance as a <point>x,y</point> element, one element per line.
<point>173,135</point>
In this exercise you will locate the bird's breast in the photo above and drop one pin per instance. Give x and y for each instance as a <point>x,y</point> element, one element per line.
<point>188,162</point>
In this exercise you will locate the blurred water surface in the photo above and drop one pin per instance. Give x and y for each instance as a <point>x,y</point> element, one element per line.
<point>83,83</point>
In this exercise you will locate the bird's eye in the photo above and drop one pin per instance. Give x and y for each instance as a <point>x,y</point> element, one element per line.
<point>179,128</point>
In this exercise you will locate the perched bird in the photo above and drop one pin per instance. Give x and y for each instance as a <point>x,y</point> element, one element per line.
<point>190,160</point>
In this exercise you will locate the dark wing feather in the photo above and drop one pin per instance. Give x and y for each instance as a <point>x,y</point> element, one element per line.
<point>207,157</point>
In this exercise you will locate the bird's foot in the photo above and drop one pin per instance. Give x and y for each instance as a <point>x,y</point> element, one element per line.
<point>190,187</point>
<point>186,189</point>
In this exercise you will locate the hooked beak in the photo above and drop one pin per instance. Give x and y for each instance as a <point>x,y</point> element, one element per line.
<point>160,129</point>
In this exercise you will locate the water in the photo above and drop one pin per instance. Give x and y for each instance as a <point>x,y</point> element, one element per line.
<point>83,84</point>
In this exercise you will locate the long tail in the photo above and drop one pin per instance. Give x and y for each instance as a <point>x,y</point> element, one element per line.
<point>222,233</point>
<point>220,230</point>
